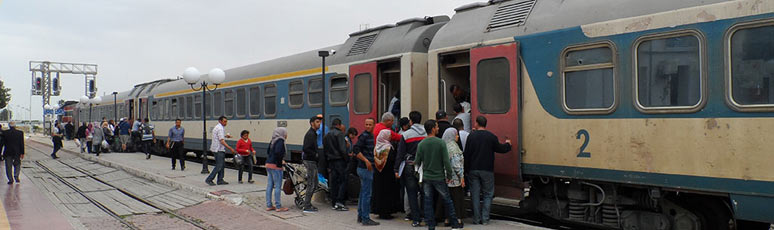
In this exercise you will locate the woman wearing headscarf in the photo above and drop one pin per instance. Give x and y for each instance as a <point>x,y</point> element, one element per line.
<point>457,183</point>
<point>386,189</point>
<point>274,167</point>
<point>97,137</point>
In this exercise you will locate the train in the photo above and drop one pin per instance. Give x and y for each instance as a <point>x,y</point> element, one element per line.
<point>677,95</point>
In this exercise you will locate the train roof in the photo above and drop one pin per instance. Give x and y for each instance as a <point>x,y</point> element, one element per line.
<point>409,35</point>
<point>498,19</point>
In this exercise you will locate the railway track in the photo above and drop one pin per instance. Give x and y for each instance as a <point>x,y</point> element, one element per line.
<point>104,207</point>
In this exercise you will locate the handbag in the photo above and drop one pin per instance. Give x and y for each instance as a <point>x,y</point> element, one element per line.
<point>287,187</point>
<point>238,159</point>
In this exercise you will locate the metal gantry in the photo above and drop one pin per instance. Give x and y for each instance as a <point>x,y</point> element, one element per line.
<point>42,86</point>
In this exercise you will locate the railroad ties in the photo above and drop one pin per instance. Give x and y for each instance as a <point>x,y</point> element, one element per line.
<point>111,188</point>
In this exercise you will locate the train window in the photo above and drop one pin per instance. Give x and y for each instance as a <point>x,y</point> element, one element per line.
<point>240,102</point>
<point>494,85</point>
<point>752,64</point>
<point>668,72</point>
<point>363,93</point>
<point>296,94</point>
<point>270,100</point>
<point>315,92</point>
<point>165,104</point>
<point>217,106</point>
<point>172,108</point>
<point>155,114</point>
<point>588,79</point>
<point>339,91</point>
<point>189,104</point>
<point>208,104</point>
<point>197,106</point>
<point>181,107</point>
<point>228,103</point>
<point>255,101</point>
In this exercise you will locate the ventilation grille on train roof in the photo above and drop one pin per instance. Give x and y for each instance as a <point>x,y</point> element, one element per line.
<point>511,14</point>
<point>362,44</point>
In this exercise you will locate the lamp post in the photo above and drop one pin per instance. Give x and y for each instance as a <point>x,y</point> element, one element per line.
<point>323,55</point>
<point>85,100</point>
<point>115,106</point>
<point>94,101</point>
<point>215,77</point>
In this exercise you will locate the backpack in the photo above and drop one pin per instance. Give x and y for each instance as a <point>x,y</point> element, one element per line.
<point>146,129</point>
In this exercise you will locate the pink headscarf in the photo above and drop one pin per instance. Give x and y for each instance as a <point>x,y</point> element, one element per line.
<point>382,149</point>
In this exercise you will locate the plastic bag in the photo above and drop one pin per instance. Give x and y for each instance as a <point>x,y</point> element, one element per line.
<point>105,144</point>
<point>238,159</point>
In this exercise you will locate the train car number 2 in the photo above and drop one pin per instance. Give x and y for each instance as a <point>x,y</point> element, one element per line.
<point>581,152</point>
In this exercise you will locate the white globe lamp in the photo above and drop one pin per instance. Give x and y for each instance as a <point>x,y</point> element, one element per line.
<point>96,100</point>
<point>84,99</point>
<point>191,75</point>
<point>216,76</point>
<point>47,106</point>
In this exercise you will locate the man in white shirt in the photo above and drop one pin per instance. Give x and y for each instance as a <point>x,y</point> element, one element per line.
<point>462,115</point>
<point>219,147</point>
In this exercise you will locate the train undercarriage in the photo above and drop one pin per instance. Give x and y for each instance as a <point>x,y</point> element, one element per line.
<point>616,206</point>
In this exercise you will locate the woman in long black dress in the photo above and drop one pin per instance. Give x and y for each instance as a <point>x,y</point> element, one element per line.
<point>386,188</point>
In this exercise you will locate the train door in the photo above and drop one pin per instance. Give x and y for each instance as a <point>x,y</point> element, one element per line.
<point>495,94</point>
<point>130,108</point>
<point>142,109</point>
<point>389,88</point>
<point>363,85</point>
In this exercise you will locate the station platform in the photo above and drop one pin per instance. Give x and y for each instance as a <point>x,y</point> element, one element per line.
<point>23,206</point>
<point>250,196</point>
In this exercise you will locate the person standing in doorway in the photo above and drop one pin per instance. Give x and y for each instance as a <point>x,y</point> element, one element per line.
<point>336,155</point>
<point>310,158</point>
<point>274,169</point>
<point>175,140</point>
<point>461,97</point>
<point>56,138</point>
<point>479,164</point>
<point>245,149</point>
<point>218,147</point>
<point>365,170</point>
<point>13,152</point>
<point>148,137</point>
<point>463,116</point>
<point>433,158</point>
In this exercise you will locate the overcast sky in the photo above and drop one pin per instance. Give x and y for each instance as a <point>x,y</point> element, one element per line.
<point>135,41</point>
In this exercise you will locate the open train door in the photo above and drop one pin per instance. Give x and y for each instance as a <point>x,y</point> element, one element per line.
<point>494,84</point>
<point>363,94</point>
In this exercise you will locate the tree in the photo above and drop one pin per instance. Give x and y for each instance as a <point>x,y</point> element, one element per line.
<point>5,95</point>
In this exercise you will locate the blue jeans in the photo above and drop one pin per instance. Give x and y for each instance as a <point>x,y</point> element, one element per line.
<point>412,191</point>
<point>220,161</point>
<point>430,187</point>
<point>364,201</point>
<point>481,182</point>
<point>274,184</point>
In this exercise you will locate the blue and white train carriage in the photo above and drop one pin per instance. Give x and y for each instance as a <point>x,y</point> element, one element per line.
<point>625,114</point>
<point>629,114</point>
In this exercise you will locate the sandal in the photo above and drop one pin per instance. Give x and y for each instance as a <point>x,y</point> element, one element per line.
<point>270,209</point>
<point>282,209</point>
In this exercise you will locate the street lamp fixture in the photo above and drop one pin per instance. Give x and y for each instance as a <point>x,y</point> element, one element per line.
<point>323,54</point>
<point>192,76</point>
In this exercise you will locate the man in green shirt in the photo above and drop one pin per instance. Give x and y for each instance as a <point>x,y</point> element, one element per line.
<point>433,157</point>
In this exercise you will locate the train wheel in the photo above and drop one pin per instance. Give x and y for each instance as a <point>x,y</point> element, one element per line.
<point>714,215</point>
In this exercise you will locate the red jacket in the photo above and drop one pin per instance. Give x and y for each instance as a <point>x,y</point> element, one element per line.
<point>244,148</point>
<point>395,137</point>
